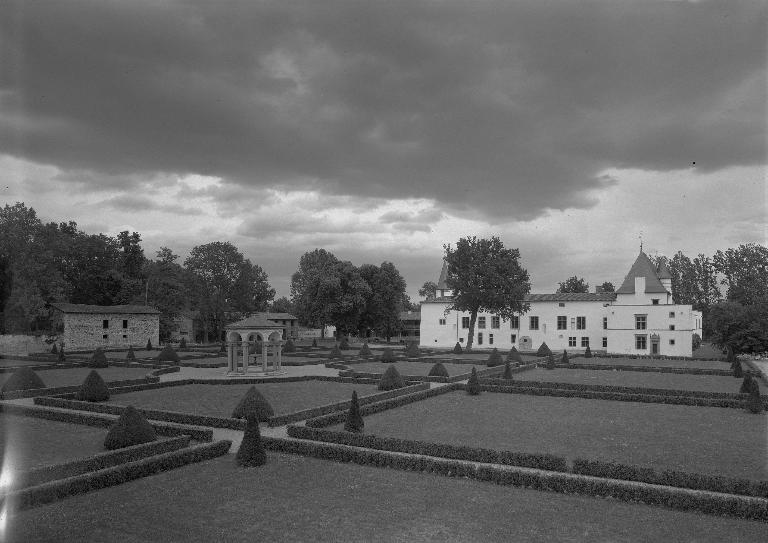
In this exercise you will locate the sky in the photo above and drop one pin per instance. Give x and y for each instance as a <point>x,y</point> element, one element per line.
<point>382,131</point>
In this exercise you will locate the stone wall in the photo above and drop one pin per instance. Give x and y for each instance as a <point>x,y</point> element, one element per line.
<point>89,330</point>
<point>19,344</point>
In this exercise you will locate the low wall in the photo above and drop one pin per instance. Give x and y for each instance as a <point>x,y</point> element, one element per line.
<point>19,344</point>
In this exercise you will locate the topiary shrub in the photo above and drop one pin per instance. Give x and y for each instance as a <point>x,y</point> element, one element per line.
<point>737,371</point>
<point>438,370</point>
<point>149,344</point>
<point>754,403</point>
<point>387,355</point>
<point>457,348</point>
<point>564,358</point>
<point>731,355</point>
<point>473,384</point>
<point>494,359</point>
<point>93,389</point>
<point>314,343</point>
<point>168,355</point>
<point>365,350</point>
<point>344,345</point>
<point>289,346</point>
<point>588,353</point>
<point>98,359</point>
<point>253,406</point>
<point>412,350</point>
<point>695,341</point>
<point>514,356</point>
<point>131,355</point>
<point>54,350</point>
<point>354,422</point>
<point>130,429</point>
<point>507,372</point>
<point>335,352</point>
<point>391,379</point>
<point>550,365</point>
<point>746,384</point>
<point>251,452</point>
<point>23,379</point>
<point>543,350</point>
<point>223,347</point>
<point>183,343</point>
<point>61,357</point>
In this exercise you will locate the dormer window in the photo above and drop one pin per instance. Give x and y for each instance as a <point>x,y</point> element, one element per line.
<point>655,301</point>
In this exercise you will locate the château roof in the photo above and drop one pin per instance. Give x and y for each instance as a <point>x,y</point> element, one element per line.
<point>663,271</point>
<point>111,309</point>
<point>442,283</point>
<point>643,267</point>
<point>572,297</point>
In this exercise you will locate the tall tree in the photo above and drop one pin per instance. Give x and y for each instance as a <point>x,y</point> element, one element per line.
<point>607,286</point>
<point>428,290</point>
<point>742,328</point>
<point>281,305</point>
<point>573,284</point>
<point>386,299</point>
<point>166,288</point>
<point>745,272</point>
<point>486,276</point>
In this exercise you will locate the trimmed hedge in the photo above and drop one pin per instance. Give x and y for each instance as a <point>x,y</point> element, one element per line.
<point>564,358</point>
<point>335,352</point>
<point>655,369</point>
<point>131,428</point>
<point>457,348</point>
<point>344,345</point>
<point>588,352</point>
<point>494,359</point>
<point>514,356</point>
<point>131,355</point>
<point>412,350</point>
<point>438,370</point>
<point>168,355</point>
<point>365,350</point>
<point>251,451</point>
<point>149,344</point>
<point>354,422</point>
<point>93,389</point>
<point>507,376</point>
<point>99,359</point>
<point>391,379</point>
<point>473,384</point>
<point>253,405</point>
<point>387,355</point>
<point>543,350</point>
<point>23,378</point>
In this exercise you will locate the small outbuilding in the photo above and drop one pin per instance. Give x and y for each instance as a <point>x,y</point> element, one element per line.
<point>83,326</point>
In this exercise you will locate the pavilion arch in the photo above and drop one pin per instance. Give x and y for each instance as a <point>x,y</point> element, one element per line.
<point>250,331</point>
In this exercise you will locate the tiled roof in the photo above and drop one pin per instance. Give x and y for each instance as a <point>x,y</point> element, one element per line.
<point>254,321</point>
<point>439,300</point>
<point>442,281</point>
<point>279,316</point>
<point>572,297</point>
<point>643,267</point>
<point>663,271</point>
<point>111,309</point>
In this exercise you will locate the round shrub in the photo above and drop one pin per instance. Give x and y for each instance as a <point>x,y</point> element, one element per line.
<point>23,379</point>
<point>543,350</point>
<point>354,422</point>
<point>149,344</point>
<point>93,389</point>
<point>335,352</point>
<point>251,452</point>
<point>514,356</point>
<point>412,351</point>
<point>61,357</point>
<point>54,350</point>
<point>365,350</point>
<point>344,345</point>
<point>388,355</point>
<point>588,353</point>
<point>564,358</point>
<point>494,359</point>
<point>438,370</point>
<point>507,371</point>
<point>168,355</point>
<point>550,365</point>
<point>473,384</point>
<point>130,429</point>
<point>131,355</point>
<point>457,348</point>
<point>253,406</point>
<point>98,359</point>
<point>289,346</point>
<point>391,379</point>
<point>737,371</point>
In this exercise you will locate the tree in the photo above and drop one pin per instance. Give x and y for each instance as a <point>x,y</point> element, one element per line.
<point>745,272</point>
<point>385,302</point>
<point>281,305</point>
<point>740,328</point>
<point>607,286</point>
<point>486,276</point>
<point>428,290</point>
<point>573,284</point>
<point>166,288</point>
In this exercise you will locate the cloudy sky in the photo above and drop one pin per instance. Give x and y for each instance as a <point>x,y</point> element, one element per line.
<point>383,130</point>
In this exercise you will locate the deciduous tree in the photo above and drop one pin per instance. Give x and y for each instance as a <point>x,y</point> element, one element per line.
<point>573,284</point>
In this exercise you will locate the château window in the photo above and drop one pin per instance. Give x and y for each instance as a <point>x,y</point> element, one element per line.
<point>671,326</point>
<point>514,322</point>
<point>562,322</point>
<point>641,322</point>
<point>655,301</point>
<point>581,323</point>
<point>605,343</point>
<point>641,343</point>
<point>605,323</point>
<point>465,322</point>
<point>442,322</point>
<point>572,341</point>
<point>481,322</point>
<point>513,338</point>
<point>125,323</point>
<point>533,323</point>
<point>585,342</point>
<point>671,314</point>
<point>105,323</point>
<point>490,339</point>
<point>480,338</point>
<point>495,322</point>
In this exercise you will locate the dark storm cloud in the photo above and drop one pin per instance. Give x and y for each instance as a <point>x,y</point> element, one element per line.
<point>129,202</point>
<point>498,110</point>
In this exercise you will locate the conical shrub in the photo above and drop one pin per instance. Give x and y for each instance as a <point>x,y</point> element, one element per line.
<point>731,355</point>
<point>335,352</point>
<point>253,405</point>
<point>494,359</point>
<point>746,384</point>
<point>365,350</point>
<point>412,351</point>
<point>23,378</point>
<point>391,379</point>
<point>514,356</point>
<point>289,347</point>
<point>438,370</point>
<point>754,403</point>
<point>251,452</point>
<point>354,422</point>
<point>168,355</point>
<point>93,389</point>
<point>473,384</point>
<point>98,359</point>
<point>149,344</point>
<point>314,343</point>
<point>223,347</point>
<point>507,371</point>
<point>131,355</point>
<point>183,344</point>
<point>550,365</point>
<point>543,350</point>
<point>737,371</point>
<point>62,357</point>
<point>54,350</point>
<point>344,345</point>
<point>564,358</point>
<point>588,353</point>
<point>388,355</point>
<point>457,348</point>
<point>130,429</point>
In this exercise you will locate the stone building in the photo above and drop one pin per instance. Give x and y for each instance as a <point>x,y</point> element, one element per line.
<point>81,326</point>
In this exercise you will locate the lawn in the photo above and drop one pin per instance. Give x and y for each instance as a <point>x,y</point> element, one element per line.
<point>650,362</point>
<point>75,376</point>
<point>711,440</point>
<point>708,383</point>
<point>293,498</point>
<point>10,362</point>
<point>30,442</point>
<point>413,368</point>
<point>220,400</point>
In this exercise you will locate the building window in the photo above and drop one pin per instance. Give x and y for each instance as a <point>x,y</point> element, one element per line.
<point>585,342</point>
<point>125,323</point>
<point>490,339</point>
<point>465,322</point>
<point>641,322</point>
<point>671,314</point>
<point>417,333</point>
<point>655,301</point>
<point>495,322</point>
<point>562,322</point>
<point>105,336</point>
<point>561,304</point>
<point>513,338</point>
<point>572,341</point>
<point>573,323</point>
<point>105,323</point>
<point>581,323</point>
<point>514,322</point>
<point>605,343</point>
<point>461,340</point>
<point>534,323</point>
<point>641,343</point>
<point>125,336</point>
<point>481,322</point>
<point>605,323</point>
<point>480,338</point>
<point>671,341</point>
<point>671,326</point>
<point>442,322</point>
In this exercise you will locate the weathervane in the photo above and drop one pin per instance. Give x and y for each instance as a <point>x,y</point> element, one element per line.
<point>641,241</point>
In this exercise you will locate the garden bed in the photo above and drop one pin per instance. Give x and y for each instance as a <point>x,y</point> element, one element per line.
<point>56,377</point>
<point>657,362</point>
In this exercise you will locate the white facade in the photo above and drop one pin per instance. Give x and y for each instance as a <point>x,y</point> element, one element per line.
<point>640,319</point>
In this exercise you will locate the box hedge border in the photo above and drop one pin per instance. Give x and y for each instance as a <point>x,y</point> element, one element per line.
<point>55,490</point>
<point>432,379</point>
<point>630,491</point>
<point>105,421</point>
<point>653,369</point>
<point>73,389</point>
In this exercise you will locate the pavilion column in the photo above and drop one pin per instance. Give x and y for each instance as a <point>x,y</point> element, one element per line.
<point>245,355</point>
<point>279,348</point>
<point>264,355</point>
<point>230,357</point>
